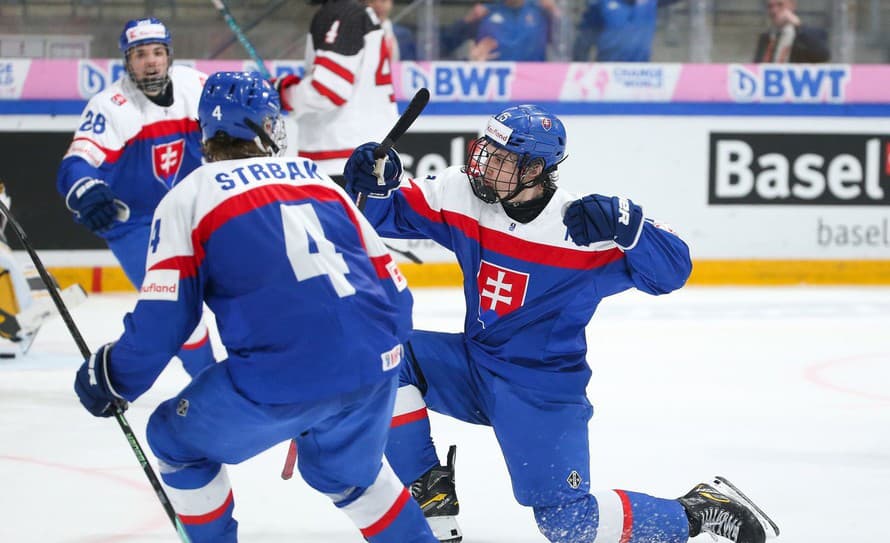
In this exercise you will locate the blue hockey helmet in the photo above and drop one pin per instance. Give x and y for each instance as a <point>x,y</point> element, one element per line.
<point>530,132</point>
<point>144,31</point>
<point>531,137</point>
<point>244,106</point>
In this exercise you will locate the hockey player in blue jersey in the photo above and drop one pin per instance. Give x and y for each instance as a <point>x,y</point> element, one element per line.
<point>536,262</point>
<point>311,308</point>
<point>135,140</point>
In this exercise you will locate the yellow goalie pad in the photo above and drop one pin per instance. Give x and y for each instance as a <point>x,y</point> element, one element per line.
<point>8,300</point>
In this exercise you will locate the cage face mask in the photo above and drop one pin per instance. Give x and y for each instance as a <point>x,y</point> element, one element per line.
<point>138,32</point>
<point>493,172</point>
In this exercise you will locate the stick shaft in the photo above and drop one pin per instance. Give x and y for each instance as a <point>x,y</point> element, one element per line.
<point>242,38</point>
<point>85,352</point>
<point>406,119</point>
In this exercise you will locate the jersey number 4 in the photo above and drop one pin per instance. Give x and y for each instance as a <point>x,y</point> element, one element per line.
<point>302,226</point>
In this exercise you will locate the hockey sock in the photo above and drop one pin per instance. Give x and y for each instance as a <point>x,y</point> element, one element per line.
<point>385,512</point>
<point>197,353</point>
<point>614,516</point>
<point>410,448</point>
<point>202,497</point>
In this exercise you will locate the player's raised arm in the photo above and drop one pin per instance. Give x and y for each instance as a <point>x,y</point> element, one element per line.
<point>657,259</point>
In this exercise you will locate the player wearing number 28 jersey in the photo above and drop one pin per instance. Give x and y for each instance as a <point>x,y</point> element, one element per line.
<point>136,140</point>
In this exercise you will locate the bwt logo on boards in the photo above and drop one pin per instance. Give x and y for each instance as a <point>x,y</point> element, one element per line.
<point>92,78</point>
<point>460,81</point>
<point>799,169</point>
<point>788,83</point>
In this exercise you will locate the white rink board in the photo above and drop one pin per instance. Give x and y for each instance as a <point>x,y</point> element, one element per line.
<point>661,162</point>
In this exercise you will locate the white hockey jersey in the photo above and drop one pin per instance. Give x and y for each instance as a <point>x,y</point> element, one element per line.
<point>347,97</point>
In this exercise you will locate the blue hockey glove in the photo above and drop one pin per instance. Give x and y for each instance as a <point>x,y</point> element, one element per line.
<point>359,172</point>
<point>93,385</point>
<point>601,218</point>
<point>93,205</point>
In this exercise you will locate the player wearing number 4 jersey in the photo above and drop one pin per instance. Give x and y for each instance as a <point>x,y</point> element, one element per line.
<point>536,261</point>
<point>311,309</point>
<point>135,141</point>
<point>347,95</point>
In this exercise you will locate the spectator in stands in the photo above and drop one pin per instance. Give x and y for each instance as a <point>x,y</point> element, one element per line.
<point>452,37</point>
<point>621,30</point>
<point>787,40</point>
<point>517,30</point>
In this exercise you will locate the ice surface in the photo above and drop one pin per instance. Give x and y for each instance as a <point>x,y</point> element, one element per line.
<point>785,391</point>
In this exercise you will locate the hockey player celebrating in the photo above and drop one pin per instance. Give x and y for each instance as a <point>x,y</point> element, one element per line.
<point>136,140</point>
<point>311,308</point>
<point>520,364</point>
<point>347,96</point>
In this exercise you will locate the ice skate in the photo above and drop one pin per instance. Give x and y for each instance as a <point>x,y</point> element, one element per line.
<point>720,510</point>
<point>434,492</point>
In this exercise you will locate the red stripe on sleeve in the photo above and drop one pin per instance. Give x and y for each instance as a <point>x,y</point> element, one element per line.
<point>198,344</point>
<point>328,93</point>
<point>161,129</point>
<point>326,155</point>
<point>506,244</point>
<point>380,263</point>
<point>111,155</point>
<point>338,69</point>
<point>186,265</point>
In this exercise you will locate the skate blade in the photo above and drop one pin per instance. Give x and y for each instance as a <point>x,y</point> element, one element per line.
<point>445,529</point>
<point>722,485</point>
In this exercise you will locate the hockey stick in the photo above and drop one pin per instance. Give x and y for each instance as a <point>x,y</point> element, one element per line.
<point>415,107</point>
<point>85,352</point>
<point>404,122</point>
<point>221,7</point>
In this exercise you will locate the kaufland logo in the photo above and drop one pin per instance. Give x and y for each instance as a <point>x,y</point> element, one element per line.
<point>799,169</point>
<point>793,83</point>
<point>155,288</point>
<point>160,285</point>
<point>498,131</point>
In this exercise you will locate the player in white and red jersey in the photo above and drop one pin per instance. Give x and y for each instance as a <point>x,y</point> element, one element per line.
<point>347,96</point>
<point>136,140</point>
<point>537,261</point>
<point>290,268</point>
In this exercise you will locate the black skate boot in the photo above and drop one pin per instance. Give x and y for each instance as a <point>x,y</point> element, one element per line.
<point>721,510</point>
<point>434,492</point>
